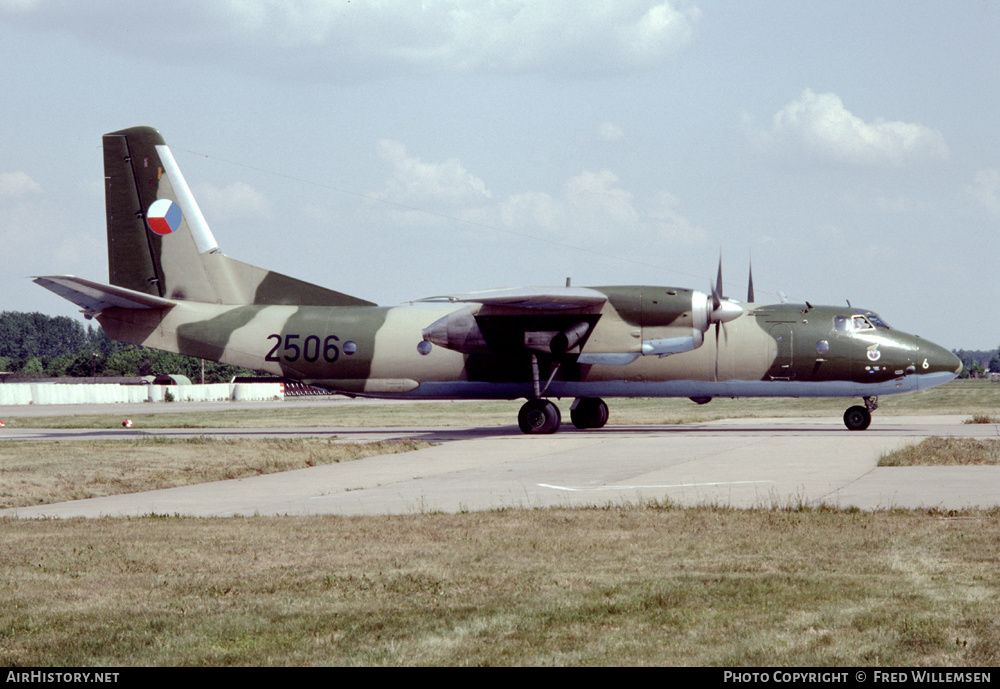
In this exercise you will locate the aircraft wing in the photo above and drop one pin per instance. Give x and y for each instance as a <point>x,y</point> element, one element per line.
<point>553,320</point>
<point>94,297</point>
<point>644,321</point>
<point>542,299</point>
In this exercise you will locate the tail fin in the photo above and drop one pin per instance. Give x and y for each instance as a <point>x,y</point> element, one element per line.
<point>160,244</point>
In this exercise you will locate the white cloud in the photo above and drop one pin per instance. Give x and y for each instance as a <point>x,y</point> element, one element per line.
<point>17,184</point>
<point>610,132</point>
<point>37,235</point>
<point>556,37</point>
<point>563,36</point>
<point>985,188</point>
<point>592,210</point>
<point>597,196</point>
<point>236,201</point>
<point>414,181</point>
<point>533,209</point>
<point>669,224</point>
<point>819,125</point>
<point>18,5</point>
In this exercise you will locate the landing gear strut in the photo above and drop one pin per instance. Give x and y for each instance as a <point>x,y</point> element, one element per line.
<point>538,415</point>
<point>859,418</point>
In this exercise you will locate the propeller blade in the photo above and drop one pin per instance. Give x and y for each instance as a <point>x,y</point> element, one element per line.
<point>717,314</point>
<point>717,324</point>
<point>717,290</point>
<point>750,299</point>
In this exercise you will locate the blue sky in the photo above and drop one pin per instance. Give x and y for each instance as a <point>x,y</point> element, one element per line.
<point>396,150</point>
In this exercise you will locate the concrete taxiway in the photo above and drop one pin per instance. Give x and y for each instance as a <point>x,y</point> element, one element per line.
<point>737,462</point>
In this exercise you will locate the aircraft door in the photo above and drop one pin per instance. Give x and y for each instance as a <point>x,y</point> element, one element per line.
<point>781,367</point>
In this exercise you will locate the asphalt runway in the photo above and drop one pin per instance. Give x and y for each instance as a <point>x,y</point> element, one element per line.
<point>736,462</point>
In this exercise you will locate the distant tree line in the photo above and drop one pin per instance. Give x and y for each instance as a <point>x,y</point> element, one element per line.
<point>976,362</point>
<point>33,345</point>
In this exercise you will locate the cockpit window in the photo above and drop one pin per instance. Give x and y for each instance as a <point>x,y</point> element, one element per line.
<point>877,320</point>
<point>869,321</point>
<point>861,323</point>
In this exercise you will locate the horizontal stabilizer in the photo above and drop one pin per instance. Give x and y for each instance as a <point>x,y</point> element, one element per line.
<point>551,298</point>
<point>94,297</point>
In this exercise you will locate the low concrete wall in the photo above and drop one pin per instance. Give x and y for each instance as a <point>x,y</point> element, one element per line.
<point>56,393</point>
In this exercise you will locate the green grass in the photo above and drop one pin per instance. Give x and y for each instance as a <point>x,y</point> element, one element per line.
<point>945,452</point>
<point>44,472</point>
<point>640,585</point>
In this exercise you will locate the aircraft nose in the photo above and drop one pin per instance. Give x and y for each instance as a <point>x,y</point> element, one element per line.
<point>959,367</point>
<point>936,365</point>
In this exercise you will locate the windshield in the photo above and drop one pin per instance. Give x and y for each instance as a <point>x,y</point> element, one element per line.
<point>877,320</point>
<point>868,321</point>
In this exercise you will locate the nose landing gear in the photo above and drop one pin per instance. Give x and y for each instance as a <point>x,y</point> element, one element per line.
<point>859,418</point>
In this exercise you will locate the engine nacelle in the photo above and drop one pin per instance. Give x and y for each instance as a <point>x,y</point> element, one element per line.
<point>458,331</point>
<point>669,320</point>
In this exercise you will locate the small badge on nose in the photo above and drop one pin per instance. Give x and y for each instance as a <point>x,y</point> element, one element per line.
<point>873,353</point>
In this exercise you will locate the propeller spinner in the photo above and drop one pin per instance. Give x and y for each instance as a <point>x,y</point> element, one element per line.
<point>723,310</point>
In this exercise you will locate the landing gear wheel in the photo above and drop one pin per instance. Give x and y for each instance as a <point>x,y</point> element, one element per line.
<point>857,418</point>
<point>539,416</point>
<point>589,412</point>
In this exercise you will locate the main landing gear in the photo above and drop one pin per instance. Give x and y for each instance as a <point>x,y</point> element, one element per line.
<point>859,418</point>
<point>540,416</point>
<point>589,412</point>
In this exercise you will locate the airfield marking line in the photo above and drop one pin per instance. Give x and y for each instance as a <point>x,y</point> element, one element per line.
<point>674,485</point>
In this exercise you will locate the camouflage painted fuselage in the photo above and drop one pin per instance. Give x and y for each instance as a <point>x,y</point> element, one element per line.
<point>173,289</point>
<point>772,350</point>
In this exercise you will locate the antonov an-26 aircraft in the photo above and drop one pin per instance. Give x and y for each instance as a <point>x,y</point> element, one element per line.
<point>173,289</point>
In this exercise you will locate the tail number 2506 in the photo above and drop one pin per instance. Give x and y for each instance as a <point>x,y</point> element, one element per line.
<point>311,348</point>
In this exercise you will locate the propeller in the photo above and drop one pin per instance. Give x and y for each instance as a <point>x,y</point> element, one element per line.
<point>750,298</point>
<point>723,311</point>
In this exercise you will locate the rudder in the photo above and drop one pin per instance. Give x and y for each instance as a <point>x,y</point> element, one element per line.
<point>156,233</point>
<point>160,244</point>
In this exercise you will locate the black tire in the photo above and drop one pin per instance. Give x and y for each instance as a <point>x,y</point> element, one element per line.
<point>538,417</point>
<point>857,418</point>
<point>589,412</point>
